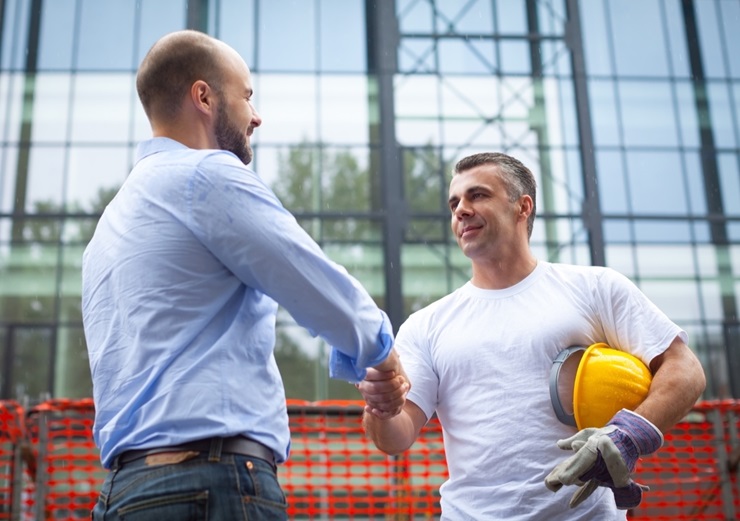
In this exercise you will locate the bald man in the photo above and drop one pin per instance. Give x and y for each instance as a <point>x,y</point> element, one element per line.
<point>181,285</point>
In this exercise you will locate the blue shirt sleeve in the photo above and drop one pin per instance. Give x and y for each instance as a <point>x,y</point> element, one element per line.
<point>241,221</point>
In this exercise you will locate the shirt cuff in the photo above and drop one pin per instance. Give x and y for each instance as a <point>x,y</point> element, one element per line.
<point>344,367</point>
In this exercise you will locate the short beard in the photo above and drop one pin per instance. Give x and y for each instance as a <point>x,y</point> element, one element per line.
<point>229,137</point>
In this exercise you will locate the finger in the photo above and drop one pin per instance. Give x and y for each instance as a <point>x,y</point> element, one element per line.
<point>388,401</point>
<point>374,375</point>
<point>582,493</point>
<point>569,471</point>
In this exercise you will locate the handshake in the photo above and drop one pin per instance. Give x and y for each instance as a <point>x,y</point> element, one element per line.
<point>606,457</point>
<point>385,388</point>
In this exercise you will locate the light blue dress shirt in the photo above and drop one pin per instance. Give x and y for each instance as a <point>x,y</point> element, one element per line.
<point>180,288</point>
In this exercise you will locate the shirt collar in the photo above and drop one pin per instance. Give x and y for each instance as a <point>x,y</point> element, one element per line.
<point>155,145</point>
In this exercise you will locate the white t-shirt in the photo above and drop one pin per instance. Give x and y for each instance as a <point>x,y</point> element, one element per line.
<point>481,360</point>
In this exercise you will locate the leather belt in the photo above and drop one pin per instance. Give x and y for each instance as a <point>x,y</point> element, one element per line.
<point>213,446</point>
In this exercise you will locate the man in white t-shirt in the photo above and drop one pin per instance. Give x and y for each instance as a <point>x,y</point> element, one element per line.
<point>480,359</point>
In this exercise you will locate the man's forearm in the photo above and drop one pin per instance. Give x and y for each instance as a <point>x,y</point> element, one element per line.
<point>393,435</point>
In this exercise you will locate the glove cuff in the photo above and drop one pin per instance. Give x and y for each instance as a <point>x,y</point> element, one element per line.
<point>646,436</point>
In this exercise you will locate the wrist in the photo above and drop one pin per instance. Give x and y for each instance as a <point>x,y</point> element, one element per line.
<point>645,436</point>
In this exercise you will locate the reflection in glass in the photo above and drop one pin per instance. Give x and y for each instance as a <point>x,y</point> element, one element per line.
<point>95,174</point>
<point>656,183</point>
<point>106,36</point>
<point>102,107</point>
<point>72,373</point>
<point>51,108</point>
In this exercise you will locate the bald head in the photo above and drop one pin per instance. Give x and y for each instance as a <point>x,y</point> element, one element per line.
<point>170,68</point>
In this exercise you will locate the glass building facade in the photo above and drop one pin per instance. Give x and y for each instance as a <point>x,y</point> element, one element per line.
<point>627,111</point>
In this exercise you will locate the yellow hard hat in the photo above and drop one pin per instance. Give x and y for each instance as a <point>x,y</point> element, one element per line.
<point>589,386</point>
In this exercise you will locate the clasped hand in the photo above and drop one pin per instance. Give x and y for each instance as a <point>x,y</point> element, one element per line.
<point>607,457</point>
<point>384,389</point>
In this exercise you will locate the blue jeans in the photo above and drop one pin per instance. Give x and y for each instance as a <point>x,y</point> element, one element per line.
<point>232,488</point>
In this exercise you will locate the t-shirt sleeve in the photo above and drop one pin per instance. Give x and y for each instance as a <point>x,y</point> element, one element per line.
<point>631,321</point>
<point>412,344</point>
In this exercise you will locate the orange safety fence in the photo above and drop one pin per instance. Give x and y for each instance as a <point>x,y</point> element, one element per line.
<point>49,466</point>
<point>695,475</point>
<point>11,437</point>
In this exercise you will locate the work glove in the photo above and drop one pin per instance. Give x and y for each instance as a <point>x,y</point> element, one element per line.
<point>606,457</point>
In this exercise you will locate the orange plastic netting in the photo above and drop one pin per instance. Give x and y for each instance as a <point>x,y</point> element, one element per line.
<point>49,466</point>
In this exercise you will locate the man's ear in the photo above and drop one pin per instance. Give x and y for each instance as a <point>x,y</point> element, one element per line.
<point>526,206</point>
<point>202,97</point>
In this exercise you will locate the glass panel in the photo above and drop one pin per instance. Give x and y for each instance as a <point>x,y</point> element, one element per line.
<point>665,261</point>
<point>417,55</point>
<point>8,170</point>
<point>606,124</point>
<point>31,356</point>
<point>159,18</point>
<point>722,110</point>
<point>474,99</point>
<point>612,182</point>
<point>694,182</point>
<point>620,257</point>
<point>51,108</point>
<point>15,30</point>
<point>596,43</point>
<point>345,184</point>
<point>287,104</point>
<point>729,16</point>
<point>560,240</point>
<point>638,38</point>
<point>425,180</point>
<point>464,56</point>
<point>102,107</point>
<point>686,106</point>
<point>417,110</point>
<point>45,179</point>
<point>662,231</point>
<point>321,179</point>
<point>72,372</point>
<point>678,299</point>
<point>57,35</point>
<point>648,114</point>
<point>464,17</point>
<point>233,21</point>
<point>95,174</point>
<point>343,109</point>
<point>711,300</point>
<point>515,57</point>
<point>11,106</point>
<point>342,36</point>
<point>297,19</point>
<point>431,272</point>
<point>106,35</point>
<point>70,291</point>
<point>555,58</point>
<point>679,56</point>
<point>299,357</point>
<point>551,17</point>
<point>427,231</point>
<point>298,183</point>
<point>364,262</point>
<point>656,183</point>
<point>348,229</point>
<point>511,17</point>
<point>414,16</point>
<point>729,183</point>
<point>618,231</point>
<point>28,279</point>
<point>710,45</point>
<point>560,186</point>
